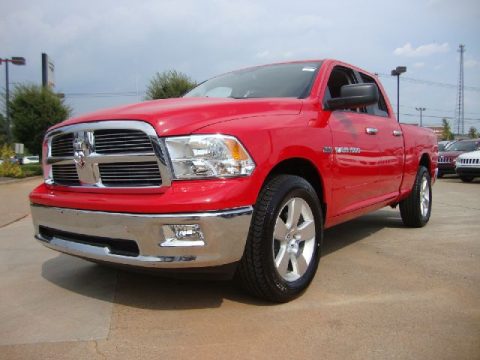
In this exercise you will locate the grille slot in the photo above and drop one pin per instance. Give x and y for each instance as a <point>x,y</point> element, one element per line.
<point>65,174</point>
<point>130,174</point>
<point>469,161</point>
<point>117,141</point>
<point>116,246</point>
<point>62,145</point>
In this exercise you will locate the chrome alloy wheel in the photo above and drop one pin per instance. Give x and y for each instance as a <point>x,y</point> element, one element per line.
<point>294,239</point>
<point>424,197</point>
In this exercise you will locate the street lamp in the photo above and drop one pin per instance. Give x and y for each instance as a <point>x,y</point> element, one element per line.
<point>421,109</point>
<point>15,60</point>
<point>397,72</point>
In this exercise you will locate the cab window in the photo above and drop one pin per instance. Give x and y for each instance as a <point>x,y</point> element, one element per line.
<point>339,76</point>
<point>380,108</point>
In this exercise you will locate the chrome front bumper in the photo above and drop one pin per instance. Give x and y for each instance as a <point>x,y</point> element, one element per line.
<point>225,234</point>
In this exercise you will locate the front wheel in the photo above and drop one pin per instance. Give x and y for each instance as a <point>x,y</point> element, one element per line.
<point>283,247</point>
<point>417,207</point>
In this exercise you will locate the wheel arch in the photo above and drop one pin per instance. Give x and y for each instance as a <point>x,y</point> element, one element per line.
<point>304,168</point>
<point>425,161</point>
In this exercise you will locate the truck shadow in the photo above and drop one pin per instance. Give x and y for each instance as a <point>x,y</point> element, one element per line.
<point>156,292</point>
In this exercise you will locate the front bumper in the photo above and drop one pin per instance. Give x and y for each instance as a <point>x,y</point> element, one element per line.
<point>468,171</point>
<point>446,168</point>
<point>110,237</point>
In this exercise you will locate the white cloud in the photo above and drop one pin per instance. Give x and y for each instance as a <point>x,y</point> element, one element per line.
<point>471,63</point>
<point>263,54</point>
<point>422,50</point>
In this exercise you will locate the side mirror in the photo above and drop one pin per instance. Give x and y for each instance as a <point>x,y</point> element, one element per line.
<point>354,96</point>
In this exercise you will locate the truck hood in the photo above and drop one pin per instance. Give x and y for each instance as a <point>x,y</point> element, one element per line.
<point>182,116</point>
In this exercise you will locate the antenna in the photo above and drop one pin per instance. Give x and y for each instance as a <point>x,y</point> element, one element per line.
<point>460,108</point>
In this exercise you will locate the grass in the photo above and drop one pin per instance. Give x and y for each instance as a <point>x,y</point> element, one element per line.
<point>31,170</point>
<point>20,171</point>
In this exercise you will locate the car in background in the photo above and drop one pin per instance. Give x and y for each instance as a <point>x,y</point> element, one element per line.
<point>467,166</point>
<point>13,160</point>
<point>446,159</point>
<point>35,159</point>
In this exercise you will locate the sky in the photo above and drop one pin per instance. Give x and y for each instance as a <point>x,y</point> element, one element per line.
<point>105,52</point>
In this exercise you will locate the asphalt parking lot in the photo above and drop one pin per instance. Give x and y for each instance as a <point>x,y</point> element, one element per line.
<point>382,292</point>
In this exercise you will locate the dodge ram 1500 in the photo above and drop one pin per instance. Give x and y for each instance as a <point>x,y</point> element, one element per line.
<point>241,175</point>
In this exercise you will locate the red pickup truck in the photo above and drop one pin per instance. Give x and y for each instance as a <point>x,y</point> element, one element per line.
<point>240,176</point>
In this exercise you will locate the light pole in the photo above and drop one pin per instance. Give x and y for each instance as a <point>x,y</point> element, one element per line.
<point>397,72</point>
<point>15,60</point>
<point>421,109</point>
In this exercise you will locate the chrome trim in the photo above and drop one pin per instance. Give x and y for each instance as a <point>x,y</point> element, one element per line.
<point>397,133</point>
<point>87,159</point>
<point>225,234</point>
<point>371,131</point>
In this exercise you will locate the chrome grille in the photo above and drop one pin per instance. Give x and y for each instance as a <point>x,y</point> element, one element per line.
<point>116,141</point>
<point>62,145</point>
<point>470,161</point>
<point>130,174</point>
<point>65,174</point>
<point>445,159</point>
<point>106,154</point>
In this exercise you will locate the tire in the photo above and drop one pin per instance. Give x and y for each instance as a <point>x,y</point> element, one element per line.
<point>439,175</point>
<point>284,242</point>
<point>417,207</point>
<point>466,179</point>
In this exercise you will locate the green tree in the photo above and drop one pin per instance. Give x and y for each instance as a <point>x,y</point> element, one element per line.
<point>169,84</point>
<point>33,109</point>
<point>472,133</point>
<point>7,168</point>
<point>446,132</point>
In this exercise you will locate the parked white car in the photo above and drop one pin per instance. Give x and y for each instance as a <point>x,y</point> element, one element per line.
<point>35,159</point>
<point>467,166</point>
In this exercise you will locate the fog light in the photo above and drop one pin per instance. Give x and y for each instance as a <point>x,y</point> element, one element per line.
<point>183,235</point>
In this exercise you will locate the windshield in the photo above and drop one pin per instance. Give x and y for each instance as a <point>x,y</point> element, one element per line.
<point>282,80</point>
<point>463,146</point>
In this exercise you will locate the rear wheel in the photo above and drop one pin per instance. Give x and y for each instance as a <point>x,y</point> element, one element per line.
<point>283,248</point>
<point>466,179</point>
<point>417,207</point>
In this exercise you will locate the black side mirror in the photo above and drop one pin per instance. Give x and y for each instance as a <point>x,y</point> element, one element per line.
<point>354,96</point>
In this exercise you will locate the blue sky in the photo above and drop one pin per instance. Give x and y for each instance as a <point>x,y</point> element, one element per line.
<point>116,46</point>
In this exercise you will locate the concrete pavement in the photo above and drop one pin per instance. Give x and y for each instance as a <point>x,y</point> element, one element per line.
<point>382,291</point>
<point>14,203</point>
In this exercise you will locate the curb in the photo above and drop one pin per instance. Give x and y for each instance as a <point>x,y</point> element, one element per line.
<point>6,180</point>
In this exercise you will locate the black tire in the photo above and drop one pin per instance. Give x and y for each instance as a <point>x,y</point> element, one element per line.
<point>414,210</point>
<point>258,272</point>
<point>439,175</point>
<point>466,179</point>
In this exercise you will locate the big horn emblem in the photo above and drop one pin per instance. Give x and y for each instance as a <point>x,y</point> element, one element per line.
<point>80,149</point>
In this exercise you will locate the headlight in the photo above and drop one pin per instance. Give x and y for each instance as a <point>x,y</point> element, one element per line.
<point>207,156</point>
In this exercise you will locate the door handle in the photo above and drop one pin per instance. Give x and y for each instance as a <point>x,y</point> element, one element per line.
<point>371,131</point>
<point>397,133</point>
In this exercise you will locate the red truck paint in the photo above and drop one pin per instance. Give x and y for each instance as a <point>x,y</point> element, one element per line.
<point>273,130</point>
